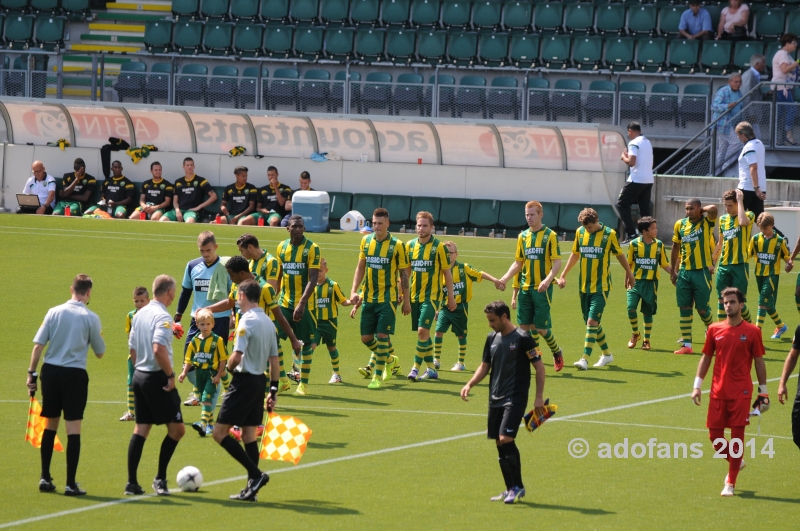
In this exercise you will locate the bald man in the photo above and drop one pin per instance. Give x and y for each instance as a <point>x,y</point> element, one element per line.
<point>43,185</point>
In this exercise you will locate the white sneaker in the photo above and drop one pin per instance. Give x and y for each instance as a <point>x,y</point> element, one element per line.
<point>458,367</point>
<point>727,490</point>
<point>581,364</point>
<point>335,379</point>
<point>604,360</point>
<point>192,400</point>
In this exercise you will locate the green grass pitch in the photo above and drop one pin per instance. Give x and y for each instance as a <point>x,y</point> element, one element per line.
<point>410,456</point>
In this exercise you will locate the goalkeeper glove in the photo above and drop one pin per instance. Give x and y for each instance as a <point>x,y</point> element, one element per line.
<point>533,419</point>
<point>762,402</point>
<point>177,330</point>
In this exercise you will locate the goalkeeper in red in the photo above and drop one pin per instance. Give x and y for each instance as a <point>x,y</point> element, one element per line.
<point>737,345</point>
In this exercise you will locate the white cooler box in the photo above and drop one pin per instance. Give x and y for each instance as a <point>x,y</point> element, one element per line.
<point>315,207</point>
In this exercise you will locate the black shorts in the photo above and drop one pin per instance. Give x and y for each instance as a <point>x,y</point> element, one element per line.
<point>64,389</point>
<point>505,420</point>
<point>244,401</point>
<point>153,405</point>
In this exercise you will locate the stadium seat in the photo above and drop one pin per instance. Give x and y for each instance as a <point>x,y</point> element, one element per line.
<point>743,51</point>
<point>447,95</point>
<point>539,97</point>
<point>223,85</point>
<point>695,103</point>
<point>158,36</point>
<point>369,44</point>
<point>49,7</point>
<point>158,82</point>
<point>401,45</point>
<point>14,80</point>
<point>770,23</point>
<point>523,52</point>
<point>669,19</point>
<point>793,24</point>
<point>376,93</point>
<point>214,10</point>
<point>547,17</point>
<point>568,218</point>
<point>632,101</point>
<point>471,96</point>
<point>218,38</point>
<point>50,32</point>
<point>487,14</point>
<point>425,13</point>
<point>399,207</point>
<point>185,9</point>
<point>518,15</point>
<point>770,49</point>
<point>610,19</point>
<point>366,204</point>
<point>247,39</point>
<point>587,53</point>
<point>365,12</point>
<point>308,42</point>
<point>456,14</point>
<point>566,100</point>
<point>131,82</point>
<point>483,215</point>
<point>504,98</point>
<point>247,10</point>
<point>462,48</point>
<point>512,216</point>
<point>18,32</point>
<point>663,104</point>
<point>579,18</point>
<point>651,54</point>
<point>272,10</point>
<point>642,20</point>
<point>304,11</point>
<point>716,57</point>
<point>334,11</point>
<point>192,84</point>
<point>493,49</point>
<point>340,205</point>
<point>187,37</point>
<point>339,43</point>
<point>453,214</point>
<point>431,46</point>
<point>556,51</point>
<point>715,12</point>
<point>248,87</point>
<point>76,9</point>
<point>315,89</point>
<point>395,12</point>
<point>408,94</point>
<point>619,53</point>
<point>426,204</point>
<point>684,55</point>
<point>278,41</point>
<point>599,104</point>
<point>337,91</point>
<point>283,90</point>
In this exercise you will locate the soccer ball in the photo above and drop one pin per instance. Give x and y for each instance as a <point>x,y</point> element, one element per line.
<point>190,479</point>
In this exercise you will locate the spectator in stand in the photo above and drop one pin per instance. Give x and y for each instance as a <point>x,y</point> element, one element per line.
<point>733,22</point>
<point>238,199</point>
<point>156,198</point>
<point>755,114</point>
<point>784,68</point>
<point>696,23</point>
<point>116,193</point>
<point>192,195</point>
<point>727,97</point>
<point>42,184</point>
<point>272,200</point>
<point>77,189</point>
<point>305,186</point>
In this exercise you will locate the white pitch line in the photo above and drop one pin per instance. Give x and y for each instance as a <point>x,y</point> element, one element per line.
<point>678,428</point>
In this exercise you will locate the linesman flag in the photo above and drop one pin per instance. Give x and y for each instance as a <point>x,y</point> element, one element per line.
<point>285,439</point>
<point>36,425</point>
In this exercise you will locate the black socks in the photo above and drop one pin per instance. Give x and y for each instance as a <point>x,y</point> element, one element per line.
<point>167,449</point>
<point>73,456</point>
<point>239,453</point>
<point>48,440</point>
<point>135,448</point>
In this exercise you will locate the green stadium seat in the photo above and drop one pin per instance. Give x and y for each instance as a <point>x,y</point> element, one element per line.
<point>308,42</point>
<point>547,17</point>
<point>340,204</point>
<point>271,10</point>
<point>223,85</point>
<point>284,88</point>
<point>218,38</point>
<point>523,51</point>
<point>304,11</point>
<point>185,9</point>
<point>376,92</point>
<point>192,84</point>
<point>714,11</point>
<point>247,39</point>
<point>610,19</point>
<point>599,104</point>
<point>663,104</point>
<point>456,13</point>
<point>158,82</point>
<point>395,12</point>
<point>339,43</point>
<point>471,96</point>
<point>334,11</point>
<point>716,57</point>
<point>566,100</point>
<point>743,51</point>
<point>399,207</point>
<point>487,14</point>
<point>214,9</point>
<point>278,41</point>
<point>158,36</point>
<point>556,51</point>
<point>50,32</point>
<point>493,48</point>
<point>695,103</point>
<point>651,54</point>
<point>131,82</point>
<point>447,95</point>
<point>431,46</point>
<point>18,32</point>
<point>770,49</point>
<point>669,19</point>
<point>365,12</point>
<point>684,55</point>
<point>587,52</point>
<point>793,24</point>
<point>539,97</point>
<point>483,215</point>
<point>400,45</point>
<point>246,10</point>
<point>408,94</point>
<point>369,44</point>
<point>619,53</point>
<point>462,48</point>
<point>642,20</point>
<point>426,204</point>
<point>512,215</point>
<point>76,9</point>
<point>315,89</point>
<point>425,13</point>
<point>366,204</point>
<point>550,213</point>
<point>518,15</point>
<point>607,216</point>
<point>568,218</point>
<point>453,214</point>
<point>579,18</point>
<point>44,6</point>
<point>770,23</point>
<point>504,98</point>
<point>187,37</point>
<point>248,86</point>
<point>632,101</point>
<point>337,90</point>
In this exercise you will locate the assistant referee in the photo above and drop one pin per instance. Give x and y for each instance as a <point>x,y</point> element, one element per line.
<point>256,346</point>
<point>156,401</point>
<point>69,329</point>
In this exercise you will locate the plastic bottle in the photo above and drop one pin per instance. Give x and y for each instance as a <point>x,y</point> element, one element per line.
<point>67,211</point>
<point>218,219</point>
<point>142,215</point>
<point>261,221</point>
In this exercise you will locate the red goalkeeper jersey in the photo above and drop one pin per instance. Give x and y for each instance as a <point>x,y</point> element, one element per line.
<point>734,347</point>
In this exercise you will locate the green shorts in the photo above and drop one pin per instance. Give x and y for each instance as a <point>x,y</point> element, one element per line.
<point>267,217</point>
<point>647,292</point>
<point>116,211</point>
<point>767,290</point>
<point>130,371</point>
<point>457,319</point>
<point>75,208</point>
<point>378,318</point>
<point>732,276</point>
<point>533,308</point>
<point>205,386</point>
<point>304,330</point>
<point>422,314</point>
<point>693,287</point>
<point>188,214</point>
<point>593,304</point>
<point>326,330</point>
<point>158,211</point>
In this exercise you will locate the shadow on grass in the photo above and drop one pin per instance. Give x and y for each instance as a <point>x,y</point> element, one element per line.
<point>307,411</point>
<point>560,507</point>
<point>751,495</point>
<point>589,378</point>
<point>327,446</point>
<point>426,389</point>
<point>670,374</point>
<point>328,398</point>
<point>314,507</point>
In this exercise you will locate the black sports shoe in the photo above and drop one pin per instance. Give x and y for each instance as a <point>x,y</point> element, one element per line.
<point>245,495</point>
<point>160,486</point>
<point>255,484</point>
<point>133,489</point>
<point>74,490</point>
<point>46,485</point>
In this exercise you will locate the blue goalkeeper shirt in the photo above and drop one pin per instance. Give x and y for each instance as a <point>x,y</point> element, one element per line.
<point>197,278</point>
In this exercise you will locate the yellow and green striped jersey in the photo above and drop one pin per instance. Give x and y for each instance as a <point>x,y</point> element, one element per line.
<point>266,267</point>
<point>696,241</point>
<point>646,258</point>
<point>427,261</point>
<point>518,280</point>
<point>129,321</point>
<point>463,277</point>
<point>268,300</point>
<point>735,239</point>
<point>536,251</point>
<point>768,253</point>
<point>206,353</point>
<point>384,260</point>
<point>595,250</point>
<point>296,262</point>
<point>329,296</point>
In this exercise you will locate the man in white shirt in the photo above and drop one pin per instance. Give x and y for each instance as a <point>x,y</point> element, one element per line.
<point>639,157</point>
<point>43,185</point>
<point>752,169</point>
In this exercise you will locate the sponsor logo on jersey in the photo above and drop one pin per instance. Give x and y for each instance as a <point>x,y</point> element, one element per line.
<point>742,338</point>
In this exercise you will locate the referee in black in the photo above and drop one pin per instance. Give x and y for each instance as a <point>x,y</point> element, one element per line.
<point>256,347</point>
<point>509,353</point>
<point>156,401</point>
<point>69,329</point>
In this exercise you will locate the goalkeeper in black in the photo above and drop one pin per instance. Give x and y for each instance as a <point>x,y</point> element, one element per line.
<point>508,355</point>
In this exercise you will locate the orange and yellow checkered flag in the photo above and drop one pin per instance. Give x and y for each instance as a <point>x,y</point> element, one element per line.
<point>285,439</point>
<point>36,425</point>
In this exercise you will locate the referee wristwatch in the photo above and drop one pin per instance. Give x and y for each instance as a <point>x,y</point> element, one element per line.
<point>33,374</point>
<point>171,375</point>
